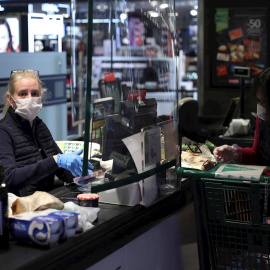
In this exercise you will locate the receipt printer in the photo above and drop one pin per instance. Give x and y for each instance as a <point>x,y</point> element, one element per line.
<point>238,127</point>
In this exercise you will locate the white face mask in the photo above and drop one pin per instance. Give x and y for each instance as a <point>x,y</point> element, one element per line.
<point>261,112</point>
<point>28,108</point>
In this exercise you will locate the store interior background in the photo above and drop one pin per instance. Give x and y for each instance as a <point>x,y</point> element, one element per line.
<point>194,38</point>
<point>52,56</point>
<point>44,30</point>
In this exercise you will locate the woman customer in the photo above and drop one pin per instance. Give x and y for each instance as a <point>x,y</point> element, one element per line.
<point>259,153</point>
<point>28,151</point>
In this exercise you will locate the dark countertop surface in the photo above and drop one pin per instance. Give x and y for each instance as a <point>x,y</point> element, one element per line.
<point>242,141</point>
<point>116,226</point>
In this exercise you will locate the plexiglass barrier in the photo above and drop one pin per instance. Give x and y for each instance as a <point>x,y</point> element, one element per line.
<point>151,151</point>
<point>134,40</point>
<point>124,90</point>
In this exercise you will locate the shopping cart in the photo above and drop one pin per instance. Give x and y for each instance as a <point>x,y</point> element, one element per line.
<point>232,218</point>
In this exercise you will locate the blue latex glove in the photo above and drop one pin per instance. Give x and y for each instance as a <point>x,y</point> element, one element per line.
<point>73,162</point>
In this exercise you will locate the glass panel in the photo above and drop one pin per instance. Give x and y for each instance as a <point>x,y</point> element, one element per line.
<point>133,89</point>
<point>135,41</point>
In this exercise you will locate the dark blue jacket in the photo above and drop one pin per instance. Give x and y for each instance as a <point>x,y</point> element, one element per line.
<point>27,154</point>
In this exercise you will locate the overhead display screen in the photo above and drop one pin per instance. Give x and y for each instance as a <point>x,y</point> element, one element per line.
<point>240,39</point>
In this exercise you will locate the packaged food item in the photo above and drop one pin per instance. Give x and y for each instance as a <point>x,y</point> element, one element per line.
<point>43,228</point>
<point>29,228</point>
<point>84,180</point>
<point>71,218</point>
<point>88,199</point>
<point>69,222</point>
<point>40,200</point>
<point>202,160</point>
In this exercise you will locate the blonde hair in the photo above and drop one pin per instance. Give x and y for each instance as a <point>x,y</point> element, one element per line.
<point>16,76</point>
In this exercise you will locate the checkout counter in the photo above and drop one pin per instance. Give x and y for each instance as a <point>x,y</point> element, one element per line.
<point>242,141</point>
<point>125,235</point>
<point>122,235</point>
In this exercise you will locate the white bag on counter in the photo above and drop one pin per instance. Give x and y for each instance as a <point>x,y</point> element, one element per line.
<point>87,215</point>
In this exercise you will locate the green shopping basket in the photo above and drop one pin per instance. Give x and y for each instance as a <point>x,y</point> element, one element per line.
<point>234,213</point>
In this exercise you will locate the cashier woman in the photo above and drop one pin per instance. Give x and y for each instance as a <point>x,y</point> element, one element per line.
<point>28,151</point>
<point>259,153</point>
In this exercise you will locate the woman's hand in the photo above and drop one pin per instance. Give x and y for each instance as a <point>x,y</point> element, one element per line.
<point>72,162</point>
<point>226,153</point>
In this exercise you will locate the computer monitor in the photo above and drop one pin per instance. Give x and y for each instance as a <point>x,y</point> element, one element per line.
<point>231,111</point>
<point>113,133</point>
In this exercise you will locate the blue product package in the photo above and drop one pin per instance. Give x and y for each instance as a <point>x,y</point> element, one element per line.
<point>43,231</point>
<point>69,221</point>
<point>70,217</point>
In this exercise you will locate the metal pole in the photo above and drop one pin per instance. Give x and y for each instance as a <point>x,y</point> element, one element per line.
<point>242,97</point>
<point>88,88</point>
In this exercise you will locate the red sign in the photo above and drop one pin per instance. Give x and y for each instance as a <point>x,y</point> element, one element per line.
<point>136,94</point>
<point>109,77</point>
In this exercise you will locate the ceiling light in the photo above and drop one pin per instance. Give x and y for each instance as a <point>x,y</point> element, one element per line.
<point>153,14</point>
<point>163,6</point>
<point>102,7</point>
<point>123,16</point>
<point>153,3</point>
<point>49,8</point>
<point>193,12</point>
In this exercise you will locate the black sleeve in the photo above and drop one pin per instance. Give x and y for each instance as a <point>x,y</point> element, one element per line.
<point>17,178</point>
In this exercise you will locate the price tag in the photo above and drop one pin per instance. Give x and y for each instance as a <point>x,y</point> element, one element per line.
<point>254,26</point>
